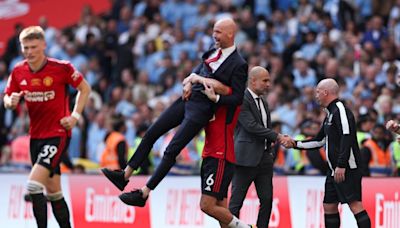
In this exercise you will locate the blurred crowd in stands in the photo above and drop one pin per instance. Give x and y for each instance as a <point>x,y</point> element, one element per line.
<point>136,55</point>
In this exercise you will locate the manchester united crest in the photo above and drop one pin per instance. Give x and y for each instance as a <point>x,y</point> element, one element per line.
<point>48,81</point>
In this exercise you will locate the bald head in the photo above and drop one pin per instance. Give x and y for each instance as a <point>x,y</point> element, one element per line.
<point>257,70</point>
<point>330,85</point>
<point>224,32</point>
<point>327,91</point>
<point>259,80</point>
<point>228,24</point>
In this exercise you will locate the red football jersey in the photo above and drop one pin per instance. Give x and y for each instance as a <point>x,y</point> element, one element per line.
<point>219,136</point>
<point>46,95</point>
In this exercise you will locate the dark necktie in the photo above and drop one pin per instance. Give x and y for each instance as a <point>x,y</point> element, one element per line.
<point>213,59</point>
<point>259,109</point>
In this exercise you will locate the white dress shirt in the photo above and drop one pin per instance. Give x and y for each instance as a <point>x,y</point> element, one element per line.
<point>226,52</point>
<point>262,108</point>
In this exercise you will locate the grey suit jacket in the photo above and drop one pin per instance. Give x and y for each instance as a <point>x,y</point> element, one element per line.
<point>250,133</point>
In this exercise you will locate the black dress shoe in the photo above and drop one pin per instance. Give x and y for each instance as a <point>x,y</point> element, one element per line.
<point>133,198</point>
<point>116,177</point>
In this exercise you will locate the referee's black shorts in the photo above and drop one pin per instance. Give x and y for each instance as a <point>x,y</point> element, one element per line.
<point>216,175</point>
<point>345,192</point>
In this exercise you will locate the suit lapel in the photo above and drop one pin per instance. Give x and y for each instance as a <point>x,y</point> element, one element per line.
<point>207,54</point>
<point>268,114</point>
<point>253,106</point>
<point>226,63</point>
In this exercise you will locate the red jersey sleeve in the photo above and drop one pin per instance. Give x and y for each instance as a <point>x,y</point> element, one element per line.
<point>12,85</point>
<point>74,77</point>
<point>230,91</point>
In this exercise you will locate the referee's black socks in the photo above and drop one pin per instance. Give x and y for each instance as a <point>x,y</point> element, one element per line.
<point>363,220</point>
<point>332,220</point>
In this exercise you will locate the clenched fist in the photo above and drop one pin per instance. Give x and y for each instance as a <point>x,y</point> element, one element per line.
<point>68,122</point>
<point>13,100</point>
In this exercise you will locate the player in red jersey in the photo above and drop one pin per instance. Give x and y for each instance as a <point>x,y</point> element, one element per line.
<point>43,83</point>
<point>218,164</point>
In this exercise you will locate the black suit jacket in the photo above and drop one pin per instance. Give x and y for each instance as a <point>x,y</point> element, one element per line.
<point>250,133</point>
<point>233,73</point>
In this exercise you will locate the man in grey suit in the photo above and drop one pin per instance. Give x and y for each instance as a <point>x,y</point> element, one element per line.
<point>253,138</point>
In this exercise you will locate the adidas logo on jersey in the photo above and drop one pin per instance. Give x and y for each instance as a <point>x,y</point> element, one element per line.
<point>23,83</point>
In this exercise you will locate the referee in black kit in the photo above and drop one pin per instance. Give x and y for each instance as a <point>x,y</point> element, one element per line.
<point>343,181</point>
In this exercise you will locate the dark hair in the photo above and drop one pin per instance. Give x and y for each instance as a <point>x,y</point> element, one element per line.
<point>362,119</point>
<point>118,122</point>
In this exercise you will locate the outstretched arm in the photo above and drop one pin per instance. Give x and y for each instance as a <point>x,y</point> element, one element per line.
<point>314,143</point>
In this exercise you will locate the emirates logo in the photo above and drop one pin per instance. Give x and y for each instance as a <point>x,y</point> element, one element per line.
<point>13,8</point>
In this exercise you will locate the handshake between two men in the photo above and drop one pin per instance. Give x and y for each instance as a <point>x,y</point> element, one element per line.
<point>286,141</point>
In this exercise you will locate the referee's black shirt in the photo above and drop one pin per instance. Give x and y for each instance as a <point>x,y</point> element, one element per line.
<point>338,134</point>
